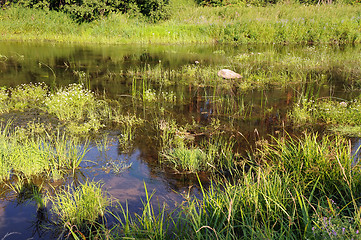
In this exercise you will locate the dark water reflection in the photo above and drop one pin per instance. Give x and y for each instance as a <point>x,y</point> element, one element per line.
<point>56,65</point>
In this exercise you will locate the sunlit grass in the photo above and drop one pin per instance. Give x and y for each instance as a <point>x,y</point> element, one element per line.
<point>287,23</point>
<point>26,156</point>
<point>340,115</point>
<point>80,205</point>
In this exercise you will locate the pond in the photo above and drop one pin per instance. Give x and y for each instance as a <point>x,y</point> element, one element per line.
<point>192,95</point>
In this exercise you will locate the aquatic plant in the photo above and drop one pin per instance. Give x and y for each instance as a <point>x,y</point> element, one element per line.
<point>159,224</point>
<point>81,205</point>
<point>74,104</point>
<point>309,159</point>
<point>71,103</point>
<point>215,154</point>
<point>187,158</point>
<point>27,96</point>
<point>342,116</point>
<point>27,156</point>
<point>3,100</point>
<point>129,123</point>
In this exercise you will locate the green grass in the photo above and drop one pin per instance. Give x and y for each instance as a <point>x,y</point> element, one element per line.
<point>288,23</point>
<point>26,156</point>
<point>149,224</point>
<point>341,116</point>
<point>81,206</point>
<point>185,155</point>
<point>292,189</point>
<point>73,106</point>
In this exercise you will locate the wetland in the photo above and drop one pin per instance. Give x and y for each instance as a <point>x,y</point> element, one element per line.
<point>146,141</point>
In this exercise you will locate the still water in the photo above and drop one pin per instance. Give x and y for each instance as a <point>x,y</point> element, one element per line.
<point>104,70</point>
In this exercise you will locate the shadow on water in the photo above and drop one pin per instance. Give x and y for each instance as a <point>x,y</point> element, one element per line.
<point>248,116</point>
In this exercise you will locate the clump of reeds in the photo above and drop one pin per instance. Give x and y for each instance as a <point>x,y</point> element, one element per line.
<point>150,223</point>
<point>80,207</point>
<point>27,156</point>
<point>178,148</point>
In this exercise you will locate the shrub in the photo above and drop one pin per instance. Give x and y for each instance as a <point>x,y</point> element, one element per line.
<point>90,10</point>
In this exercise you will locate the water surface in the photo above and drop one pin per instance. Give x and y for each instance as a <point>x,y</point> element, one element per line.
<point>103,68</point>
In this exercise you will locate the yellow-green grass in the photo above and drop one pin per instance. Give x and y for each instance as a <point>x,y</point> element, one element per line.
<point>287,23</point>
<point>27,156</point>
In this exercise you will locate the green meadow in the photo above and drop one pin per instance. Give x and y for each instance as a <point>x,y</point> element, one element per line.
<point>190,23</point>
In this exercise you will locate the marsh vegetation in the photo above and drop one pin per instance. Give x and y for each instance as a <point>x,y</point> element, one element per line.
<point>147,142</point>
<point>257,158</point>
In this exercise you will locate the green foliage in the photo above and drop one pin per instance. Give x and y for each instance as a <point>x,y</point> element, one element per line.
<point>90,10</point>
<point>22,97</point>
<point>342,116</point>
<point>26,156</point>
<point>285,23</point>
<point>80,206</point>
<point>86,10</point>
<point>150,224</point>
<point>74,104</point>
<point>218,3</point>
<point>309,159</point>
<point>27,96</point>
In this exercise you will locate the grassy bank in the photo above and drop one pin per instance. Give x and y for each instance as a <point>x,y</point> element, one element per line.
<point>192,24</point>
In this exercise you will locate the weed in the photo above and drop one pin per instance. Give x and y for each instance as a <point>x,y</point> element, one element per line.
<point>81,205</point>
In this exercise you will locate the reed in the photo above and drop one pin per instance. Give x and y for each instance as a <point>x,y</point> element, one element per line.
<point>26,156</point>
<point>151,224</point>
<point>80,206</point>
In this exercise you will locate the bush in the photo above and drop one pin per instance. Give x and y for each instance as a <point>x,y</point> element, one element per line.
<point>215,3</point>
<point>90,10</point>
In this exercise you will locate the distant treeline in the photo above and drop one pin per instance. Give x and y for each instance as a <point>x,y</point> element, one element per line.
<point>89,10</point>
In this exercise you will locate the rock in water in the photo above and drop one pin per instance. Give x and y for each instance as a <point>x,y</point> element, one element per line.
<point>228,74</point>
